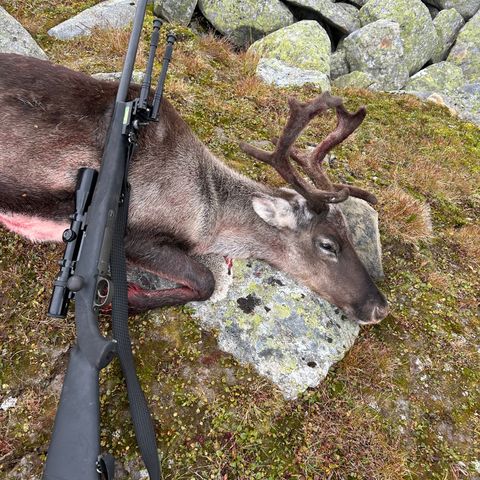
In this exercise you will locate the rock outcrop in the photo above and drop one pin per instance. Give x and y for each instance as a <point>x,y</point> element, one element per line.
<point>447,24</point>
<point>466,8</point>
<point>276,72</point>
<point>15,39</point>
<point>416,27</point>
<point>107,14</point>
<point>342,16</point>
<point>248,20</point>
<point>440,77</point>
<point>466,51</point>
<point>178,11</point>
<point>304,45</point>
<point>377,49</point>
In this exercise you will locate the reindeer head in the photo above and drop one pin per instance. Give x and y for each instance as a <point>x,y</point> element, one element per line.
<point>318,250</point>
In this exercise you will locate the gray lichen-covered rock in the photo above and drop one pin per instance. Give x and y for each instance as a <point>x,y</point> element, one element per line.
<point>466,8</point>
<point>354,80</point>
<point>179,11</point>
<point>463,102</point>
<point>416,27</point>
<point>340,15</point>
<point>439,77</point>
<point>362,220</point>
<point>275,72</point>
<point>377,49</point>
<point>244,21</point>
<point>467,101</point>
<point>285,331</point>
<point>447,24</point>
<point>304,45</point>
<point>338,64</point>
<point>466,51</point>
<point>107,14</point>
<point>15,39</point>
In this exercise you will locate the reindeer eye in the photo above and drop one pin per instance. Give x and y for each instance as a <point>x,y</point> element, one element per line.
<point>327,246</point>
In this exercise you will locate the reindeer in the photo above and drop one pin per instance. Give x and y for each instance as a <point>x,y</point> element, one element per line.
<point>185,202</point>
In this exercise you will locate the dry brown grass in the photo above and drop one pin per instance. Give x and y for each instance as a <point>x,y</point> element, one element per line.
<point>105,51</point>
<point>468,240</point>
<point>217,49</point>
<point>404,217</point>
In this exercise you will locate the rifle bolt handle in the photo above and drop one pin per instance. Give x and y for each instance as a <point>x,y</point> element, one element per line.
<point>75,283</point>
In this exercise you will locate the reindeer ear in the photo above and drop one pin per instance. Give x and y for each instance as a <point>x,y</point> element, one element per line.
<point>275,211</point>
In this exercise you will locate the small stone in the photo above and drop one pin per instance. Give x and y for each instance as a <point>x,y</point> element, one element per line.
<point>137,76</point>
<point>338,64</point>
<point>244,21</point>
<point>416,27</point>
<point>377,49</point>
<point>466,51</point>
<point>107,14</point>
<point>178,11</point>
<point>15,39</point>
<point>354,80</point>
<point>304,45</point>
<point>447,24</point>
<point>275,72</point>
<point>8,403</point>
<point>440,77</point>
<point>342,16</point>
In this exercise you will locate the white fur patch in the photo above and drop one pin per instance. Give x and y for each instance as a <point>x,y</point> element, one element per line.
<point>275,211</point>
<point>34,228</point>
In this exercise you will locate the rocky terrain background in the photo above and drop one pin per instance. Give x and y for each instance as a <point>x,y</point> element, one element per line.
<point>403,402</point>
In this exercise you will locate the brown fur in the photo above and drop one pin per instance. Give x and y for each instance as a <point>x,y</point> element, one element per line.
<point>184,200</point>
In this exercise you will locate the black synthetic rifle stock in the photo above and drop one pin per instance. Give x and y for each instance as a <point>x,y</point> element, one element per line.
<point>85,275</point>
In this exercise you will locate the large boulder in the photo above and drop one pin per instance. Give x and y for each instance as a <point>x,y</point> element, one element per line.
<point>447,24</point>
<point>342,16</point>
<point>178,11</point>
<point>287,333</point>
<point>15,39</point>
<point>107,14</point>
<point>466,51</point>
<point>439,77</point>
<point>355,80</point>
<point>377,49</point>
<point>304,45</point>
<point>466,8</point>
<point>275,72</point>
<point>416,27</point>
<point>244,21</point>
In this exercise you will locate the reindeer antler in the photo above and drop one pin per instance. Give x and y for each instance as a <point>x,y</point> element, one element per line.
<point>322,191</point>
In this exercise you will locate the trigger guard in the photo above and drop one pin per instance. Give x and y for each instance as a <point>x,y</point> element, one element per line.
<point>102,297</point>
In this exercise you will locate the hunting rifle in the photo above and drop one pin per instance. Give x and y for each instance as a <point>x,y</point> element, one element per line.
<point>93,272</point>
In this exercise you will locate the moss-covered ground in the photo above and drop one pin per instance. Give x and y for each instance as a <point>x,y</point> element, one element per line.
<point>404,402</point>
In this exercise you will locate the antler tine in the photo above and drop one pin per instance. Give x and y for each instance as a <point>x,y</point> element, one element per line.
<point>300,115</point>
<point>347,123</point>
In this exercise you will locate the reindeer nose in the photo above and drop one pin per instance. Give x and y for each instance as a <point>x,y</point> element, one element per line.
<point>379,313</point>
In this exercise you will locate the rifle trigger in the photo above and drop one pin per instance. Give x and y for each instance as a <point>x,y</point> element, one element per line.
<point>106,466</point>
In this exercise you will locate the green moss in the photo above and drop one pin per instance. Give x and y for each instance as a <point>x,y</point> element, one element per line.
<point>215,417</point>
